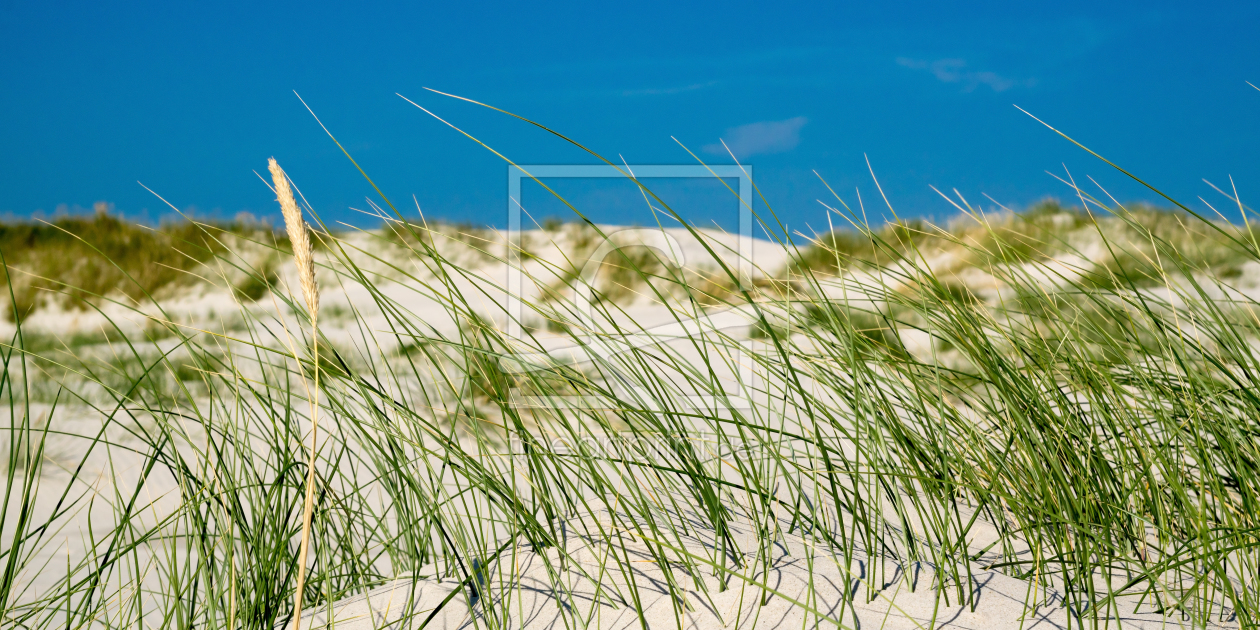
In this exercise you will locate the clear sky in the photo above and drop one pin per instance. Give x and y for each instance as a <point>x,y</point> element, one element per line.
<point>191,98</point>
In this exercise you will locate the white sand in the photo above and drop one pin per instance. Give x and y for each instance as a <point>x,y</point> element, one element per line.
<point>804,586</point>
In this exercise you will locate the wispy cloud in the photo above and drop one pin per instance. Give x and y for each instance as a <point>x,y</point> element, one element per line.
<point>771,136</point>
<point>669,90</point>
<point>955,71</point>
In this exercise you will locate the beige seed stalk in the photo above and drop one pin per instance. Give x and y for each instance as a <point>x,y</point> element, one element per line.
<point>304,257</point>
<point>299,237</point>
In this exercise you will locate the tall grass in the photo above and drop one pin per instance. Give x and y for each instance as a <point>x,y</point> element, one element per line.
<point>972,397</point>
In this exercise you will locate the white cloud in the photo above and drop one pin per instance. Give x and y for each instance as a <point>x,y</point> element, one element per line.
<point>771,136</point>
<point>955,71</point>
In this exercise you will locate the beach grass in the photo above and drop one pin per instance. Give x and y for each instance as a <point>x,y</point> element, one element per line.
<point>1068,395</point>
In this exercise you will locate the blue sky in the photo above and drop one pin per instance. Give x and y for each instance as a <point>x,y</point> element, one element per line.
<point>190,99</point>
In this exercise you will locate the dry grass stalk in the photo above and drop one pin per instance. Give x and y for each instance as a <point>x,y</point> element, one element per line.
<point>299,236</point>
<point>304,257</point>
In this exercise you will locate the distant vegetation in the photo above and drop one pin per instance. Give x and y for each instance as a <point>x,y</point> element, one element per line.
<point>1045,230</point>
<point>76,260</point>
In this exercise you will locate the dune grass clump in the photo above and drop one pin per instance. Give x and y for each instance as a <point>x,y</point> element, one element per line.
<point>257,283</point>
<point>1116,247</point>
<point>74,260</point>
<point>962,400</point>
